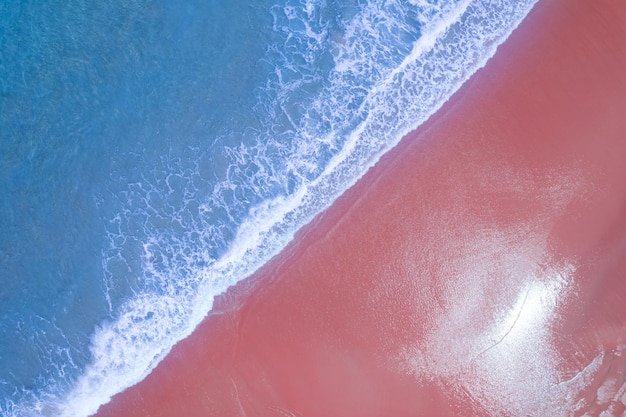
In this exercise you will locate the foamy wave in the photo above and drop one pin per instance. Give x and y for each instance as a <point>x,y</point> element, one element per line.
<point>338,100</point>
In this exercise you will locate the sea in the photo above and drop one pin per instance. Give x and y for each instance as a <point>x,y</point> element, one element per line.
<point>153,153</point>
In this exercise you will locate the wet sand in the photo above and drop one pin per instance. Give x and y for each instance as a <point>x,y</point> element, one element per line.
<point>478,269</point>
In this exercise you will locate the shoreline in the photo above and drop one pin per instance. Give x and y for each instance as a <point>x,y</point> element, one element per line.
<point>351,318</point>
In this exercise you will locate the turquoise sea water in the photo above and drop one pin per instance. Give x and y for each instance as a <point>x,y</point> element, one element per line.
<point>153,153</point>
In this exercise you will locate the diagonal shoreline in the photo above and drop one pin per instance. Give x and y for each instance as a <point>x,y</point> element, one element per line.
<point>518,179</point>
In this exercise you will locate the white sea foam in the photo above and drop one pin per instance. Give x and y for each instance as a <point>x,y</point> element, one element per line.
<point>382,79</point>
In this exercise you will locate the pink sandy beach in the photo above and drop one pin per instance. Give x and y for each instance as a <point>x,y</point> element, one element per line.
<point>479,269</point>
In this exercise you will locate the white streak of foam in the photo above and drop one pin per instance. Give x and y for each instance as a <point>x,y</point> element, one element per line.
<point>424,44</point>
<point>434,30</point>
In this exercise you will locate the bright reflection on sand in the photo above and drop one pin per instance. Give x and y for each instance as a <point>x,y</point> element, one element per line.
<point>519,367</point>
<point>531,314</point>
<point>508,364</point>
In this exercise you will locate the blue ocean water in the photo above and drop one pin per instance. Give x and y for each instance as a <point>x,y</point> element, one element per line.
<point>154,153</point>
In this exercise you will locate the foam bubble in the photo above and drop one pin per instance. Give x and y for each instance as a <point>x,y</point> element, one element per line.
<point>606,391</point>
